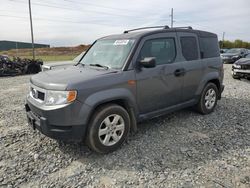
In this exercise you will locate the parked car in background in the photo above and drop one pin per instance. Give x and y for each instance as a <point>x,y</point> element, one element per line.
<point>234,54</point>
<point>241,68</point>
<point>62,64</point>
<point>124,79</point>
<point>4,57</point>
<point>18,66</point>
<point>223,50</point>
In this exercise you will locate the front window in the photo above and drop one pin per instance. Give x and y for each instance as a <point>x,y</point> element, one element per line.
<point>108,53</point>
<point>163,49</point>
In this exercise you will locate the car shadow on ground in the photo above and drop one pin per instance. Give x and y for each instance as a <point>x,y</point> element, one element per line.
<point>177,140</point>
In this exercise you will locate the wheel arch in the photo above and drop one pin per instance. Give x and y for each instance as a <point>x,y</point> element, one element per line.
<point>210,78</point>
<point>126,101</point>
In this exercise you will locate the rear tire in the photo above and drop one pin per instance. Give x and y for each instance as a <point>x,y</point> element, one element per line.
<point>108,128</point>
<point>208,99</point>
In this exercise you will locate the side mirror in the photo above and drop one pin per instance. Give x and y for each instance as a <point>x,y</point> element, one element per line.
<point>148,62</point>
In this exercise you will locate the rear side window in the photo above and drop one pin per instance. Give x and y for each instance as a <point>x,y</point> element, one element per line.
<point>163,49</point>
<point>209,47</point>
<point>189,48</point>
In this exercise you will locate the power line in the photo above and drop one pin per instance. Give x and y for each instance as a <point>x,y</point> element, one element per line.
<point>71,9</point>
<point>199,25</point>
<point>54,20</point>
<point>96,5</point>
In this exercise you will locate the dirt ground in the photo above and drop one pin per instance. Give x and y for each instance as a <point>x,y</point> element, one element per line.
<point>182,149</point>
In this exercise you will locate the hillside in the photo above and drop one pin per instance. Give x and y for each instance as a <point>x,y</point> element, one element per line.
<point>48,54</point>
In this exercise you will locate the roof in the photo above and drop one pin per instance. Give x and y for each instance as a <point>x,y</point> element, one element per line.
<point>142,33</point>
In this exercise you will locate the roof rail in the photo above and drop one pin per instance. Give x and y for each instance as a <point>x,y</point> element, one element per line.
<point>164,27</point>
<point>188,27</point>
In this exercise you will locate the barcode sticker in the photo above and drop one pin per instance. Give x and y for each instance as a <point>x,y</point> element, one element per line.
<point>121,42</point>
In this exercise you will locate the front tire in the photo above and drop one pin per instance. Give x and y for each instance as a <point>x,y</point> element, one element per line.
<point>108,128</point>
<point>208,99</point>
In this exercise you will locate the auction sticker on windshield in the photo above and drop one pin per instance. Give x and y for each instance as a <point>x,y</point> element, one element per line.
<point>121,42</point>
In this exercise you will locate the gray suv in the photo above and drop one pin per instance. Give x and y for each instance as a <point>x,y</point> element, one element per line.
<point>124,79</point>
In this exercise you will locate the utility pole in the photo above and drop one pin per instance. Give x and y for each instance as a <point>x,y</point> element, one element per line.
<point>223,36</point>
<point>16,50</point>
<point>31,30</point>
<point>172,17</point>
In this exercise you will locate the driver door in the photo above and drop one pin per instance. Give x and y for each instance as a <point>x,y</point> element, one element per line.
<point>159,87</point>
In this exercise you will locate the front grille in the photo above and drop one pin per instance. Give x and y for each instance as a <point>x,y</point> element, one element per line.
<point>41,95</point>
<point>245,66</point>
<point>37,94</point>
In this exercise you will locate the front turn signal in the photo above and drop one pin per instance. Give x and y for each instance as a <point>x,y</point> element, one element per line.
<point>71,96</point>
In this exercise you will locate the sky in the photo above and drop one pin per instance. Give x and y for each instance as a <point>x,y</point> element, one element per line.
<point>74,22</point>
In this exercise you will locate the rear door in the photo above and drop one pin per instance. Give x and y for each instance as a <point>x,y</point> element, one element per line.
<point>158,87</point>
<point>194,68</point>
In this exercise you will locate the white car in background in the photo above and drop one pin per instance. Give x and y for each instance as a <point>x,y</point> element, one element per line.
<point>62,64</point>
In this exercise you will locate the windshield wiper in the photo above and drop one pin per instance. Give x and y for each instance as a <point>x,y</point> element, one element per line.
<point>99,65</point>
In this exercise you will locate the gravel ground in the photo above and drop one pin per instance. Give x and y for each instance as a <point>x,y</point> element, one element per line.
<point>182,149</point>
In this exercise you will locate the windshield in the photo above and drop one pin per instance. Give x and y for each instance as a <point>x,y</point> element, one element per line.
<point>77,58</point>
<point>108,53</point>
<point>234,50</point>
<point>248,56</point>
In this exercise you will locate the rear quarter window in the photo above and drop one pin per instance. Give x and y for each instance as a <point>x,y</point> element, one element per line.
<point>209,47</point>
<point>189,48</point>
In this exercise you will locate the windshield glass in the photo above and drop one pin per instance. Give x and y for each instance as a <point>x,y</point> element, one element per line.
<point>234,50</point>
<point>108,53</point>
<point>77,58</point>
<point>248,56</point>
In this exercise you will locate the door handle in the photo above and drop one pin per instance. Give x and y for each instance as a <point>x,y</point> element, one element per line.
<point>179,72</point>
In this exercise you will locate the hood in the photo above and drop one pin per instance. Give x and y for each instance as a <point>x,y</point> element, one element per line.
<point>59,63</point>
<point>230,54</point>
<point>60,79</point>
<point>243,61</point>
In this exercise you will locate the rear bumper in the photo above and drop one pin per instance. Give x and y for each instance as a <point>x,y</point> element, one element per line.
<point>49,123</point>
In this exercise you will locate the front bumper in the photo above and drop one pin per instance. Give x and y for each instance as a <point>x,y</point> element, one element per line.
<point>61,124</point>
<point>241,73</point>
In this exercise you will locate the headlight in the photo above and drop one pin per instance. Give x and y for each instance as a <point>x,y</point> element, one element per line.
<point>59,97</point>
<point>237,66</point>
<point>235,57</point>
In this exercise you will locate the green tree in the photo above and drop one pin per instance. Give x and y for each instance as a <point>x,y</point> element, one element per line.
<point>234,44</point>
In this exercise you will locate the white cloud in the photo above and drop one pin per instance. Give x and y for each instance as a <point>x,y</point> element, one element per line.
<point>84,21</point>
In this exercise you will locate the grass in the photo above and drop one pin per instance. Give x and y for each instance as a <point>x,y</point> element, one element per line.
<point>48,54</point>
<point>52,57</point>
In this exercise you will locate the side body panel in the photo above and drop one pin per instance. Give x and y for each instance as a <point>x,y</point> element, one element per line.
<point>157,87</point>
<point>194,70</point>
